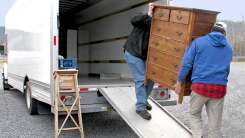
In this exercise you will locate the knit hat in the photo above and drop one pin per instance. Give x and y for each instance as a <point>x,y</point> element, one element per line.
<point>221,25</point>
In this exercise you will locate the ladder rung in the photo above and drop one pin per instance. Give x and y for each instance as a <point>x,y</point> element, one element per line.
<point>72,128</point>
<point>68,107</point>
<point>67,91</point>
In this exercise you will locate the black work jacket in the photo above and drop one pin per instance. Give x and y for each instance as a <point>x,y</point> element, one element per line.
<point>137,43</point>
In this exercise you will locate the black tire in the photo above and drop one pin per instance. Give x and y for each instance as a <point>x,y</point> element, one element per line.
<point>31,103</point>
<point>5,85</point>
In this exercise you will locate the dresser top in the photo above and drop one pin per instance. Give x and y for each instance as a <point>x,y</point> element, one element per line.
<point>186,9</point>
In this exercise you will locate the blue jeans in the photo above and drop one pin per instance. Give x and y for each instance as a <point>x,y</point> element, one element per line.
<point>137,67</point>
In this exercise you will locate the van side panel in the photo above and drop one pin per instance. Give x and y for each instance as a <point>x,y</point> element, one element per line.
<point>28,25</point>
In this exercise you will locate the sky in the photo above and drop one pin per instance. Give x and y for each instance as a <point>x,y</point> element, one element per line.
<point>4,7</point>
<point>230,9</point>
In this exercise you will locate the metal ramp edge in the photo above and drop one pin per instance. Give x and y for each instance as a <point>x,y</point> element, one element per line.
<point>162,124</point>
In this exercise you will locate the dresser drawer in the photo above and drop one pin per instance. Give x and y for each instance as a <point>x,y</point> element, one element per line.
<point>179,16</point>
<point>159,27</point>
<point>164,60</point>
<point>206,17</point>
<point>161,75</point>
<point>169,46</point>
<point>171,30</point>
<point>201,29</point>
<point>161,14</point>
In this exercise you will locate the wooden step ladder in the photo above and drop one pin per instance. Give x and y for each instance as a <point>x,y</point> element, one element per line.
<point>66,85</point>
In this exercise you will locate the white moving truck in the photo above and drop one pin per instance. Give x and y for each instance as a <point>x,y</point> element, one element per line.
<point>93,32</point>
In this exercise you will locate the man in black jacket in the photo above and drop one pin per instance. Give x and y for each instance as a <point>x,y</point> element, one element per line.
<point>135,54</point>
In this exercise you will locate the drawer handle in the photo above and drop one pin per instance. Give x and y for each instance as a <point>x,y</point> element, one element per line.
<point>155,58</point>
<point>177,49</point>
<point>161,14</point>
<point>173,81</point>
<point>179,34</point>
<point>175,65</point>
<point>153,73</point>
<point>156,44</point>
<point>158,29</point>
<point>179,18</point>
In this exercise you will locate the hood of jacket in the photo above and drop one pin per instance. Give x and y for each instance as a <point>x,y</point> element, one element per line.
<point>218,39</point>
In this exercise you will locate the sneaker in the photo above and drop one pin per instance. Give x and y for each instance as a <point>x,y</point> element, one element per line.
<point>148,107</point>
<point>144,114</point>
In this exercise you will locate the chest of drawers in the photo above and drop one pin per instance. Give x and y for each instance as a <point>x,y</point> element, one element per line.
<point>172,30</point>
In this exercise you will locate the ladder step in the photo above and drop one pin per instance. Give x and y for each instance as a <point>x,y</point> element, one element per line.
<point>68,107</point>
<point>72,128</point>
<point>67,91</point>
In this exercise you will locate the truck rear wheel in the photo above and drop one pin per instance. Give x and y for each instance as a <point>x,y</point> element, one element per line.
<point>5,86</point>
<point>5,83</point>
<point>31,103</point>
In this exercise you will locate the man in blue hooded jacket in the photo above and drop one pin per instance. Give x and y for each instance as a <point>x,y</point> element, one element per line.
<point>209,58</point>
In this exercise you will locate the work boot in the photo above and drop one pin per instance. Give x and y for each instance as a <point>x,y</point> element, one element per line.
<point>148,107</point>
<point>144,114</point>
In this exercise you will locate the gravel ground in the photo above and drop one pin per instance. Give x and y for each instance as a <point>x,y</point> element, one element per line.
<point>15,121</point>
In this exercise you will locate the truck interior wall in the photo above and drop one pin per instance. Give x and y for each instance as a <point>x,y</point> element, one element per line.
<point>99,51</point>
<point>103,30</point>
<point>83,52</point>
<point>72,43</point>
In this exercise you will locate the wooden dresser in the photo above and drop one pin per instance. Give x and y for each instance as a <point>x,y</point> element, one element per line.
<point>172,30</point>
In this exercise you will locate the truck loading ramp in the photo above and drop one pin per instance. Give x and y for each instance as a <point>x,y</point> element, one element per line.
<point>162,124</point>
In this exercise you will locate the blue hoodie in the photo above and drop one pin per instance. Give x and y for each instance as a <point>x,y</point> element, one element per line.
<point>209,58</point>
